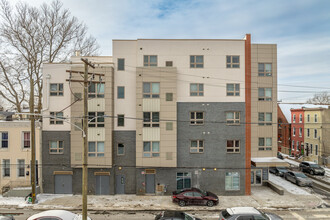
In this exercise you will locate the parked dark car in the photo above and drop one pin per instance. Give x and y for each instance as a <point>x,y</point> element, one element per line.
<point>280,156</point>
<point>246,213</point>
<point>278,171</point>
<point>194,196</point>
<point>298,178</point>
<point>311,167</point>
<point>174,215</point>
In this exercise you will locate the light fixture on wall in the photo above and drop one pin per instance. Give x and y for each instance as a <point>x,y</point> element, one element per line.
<point>203,169</point>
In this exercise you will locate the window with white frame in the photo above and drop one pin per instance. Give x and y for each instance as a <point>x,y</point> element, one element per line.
<point>151,149</point>
<point>315,133</point>
<point>196,146</point>
<point>120,149</point>
<point>264,69</point>
<point>56,118</point>
<point>294,118</point>
<point>265,118</point>
<point>21,168</point>
<point>233,146</point>
<point>56,147</point>
<point>233,118</point>
<point>308,118</point>
<point>232,61</point>
<point>196,61</point>
<point>300,118</point>
<point>151,90</point>
<point>292,145</point>
<point>26,139</point>
<point>316,149</point>
<point>6,168</point>
<point>265,94</point>
<point>96,149</point>
<point>56,89</point>
<point>297,145</point>
<point>315,118</point>
<point>308,132</point>
<point>294,131</point>
<point>265,143</point>
<point>196,89</point>
<point>196,118</point>
<point>96,90</point>
<point>149,60</point>
<point>150,119</point>
<point>95,119</point>
<point>300,132</point>
<point>233,89</point>
<point>232,181</point>
<point>3,139</point>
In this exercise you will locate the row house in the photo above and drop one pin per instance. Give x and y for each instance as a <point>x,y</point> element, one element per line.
<point>297,132</point>
<point>284,133</point>
<point>165,114</point>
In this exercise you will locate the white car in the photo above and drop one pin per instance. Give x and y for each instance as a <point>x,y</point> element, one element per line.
<point>56,215</point>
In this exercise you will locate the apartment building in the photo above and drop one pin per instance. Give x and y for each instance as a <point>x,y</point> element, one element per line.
<point>170,114</point>
<point>15,154</point>
<point>297,132</point>
<point>284,133</point>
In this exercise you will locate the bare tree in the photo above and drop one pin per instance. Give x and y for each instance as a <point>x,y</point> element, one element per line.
<point>322,98</point>
<point>33,36</point>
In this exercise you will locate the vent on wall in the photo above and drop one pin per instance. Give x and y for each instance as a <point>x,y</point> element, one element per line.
<point>150,171</point>
<point>169,63</point>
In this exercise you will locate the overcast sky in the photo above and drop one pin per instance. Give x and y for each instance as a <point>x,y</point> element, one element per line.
<point>300,28</point>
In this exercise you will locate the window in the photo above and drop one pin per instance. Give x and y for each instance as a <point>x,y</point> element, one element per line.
<point>196,89</point>
<point>120,149</point>
<point>264,69</point>
<point>56,89</point>
<point>308,132</point>
<point>311,147</point>
<point>183,180</point>
<point>300,118</point>
<point>95,149</point>
<point>196,61</point>
<point>150,90</point>
<point>297,145</point>
<point>56,147</point>
<point>233,118</point>
<point>300,132</point>
<point>307,148</point>
<point>121,64</point>
<point>150,119</point>
<point>315,118</point>
<point>21,168</point>
<point>315,133</point>
<point>196,146</point>
<point>308,118</point>
<point>150,60</point>
<point>96,90</point>
<point>233,146</point>
<point>169,96</point>
<point>265,118</point>
<point>232,89</point>
<point>151,149</point>
<point>121,120</point>
<point>169,63</point>
<point>95,119</point>
<point>294,118</point>
<point>6,168</point>
<point>232,61</point>
<point>316,149</point>
<point>294,131</point>
<point>265,94</point>
<point>265,143</point>
<point>292,145</point>
<point>26,139</point>
<point>3,139</point>
<point>121,92</point>
<point>56,118</point>
<point>196,118</point>
<point>232,181</point>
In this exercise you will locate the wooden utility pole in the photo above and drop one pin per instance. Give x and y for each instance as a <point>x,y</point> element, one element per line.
<point>32,142</point>
<point>85,147</point>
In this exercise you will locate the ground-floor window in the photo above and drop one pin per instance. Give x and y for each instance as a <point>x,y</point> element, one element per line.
<point>183,180</point>
<point>232,181</point>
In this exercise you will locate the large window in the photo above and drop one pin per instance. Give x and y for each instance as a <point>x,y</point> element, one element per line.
<point>183,180</point>
<point>121,92</point>
<point>232,181</point>
<point>3,139</point>
<point>265,118</point>
<point>151,149</point>
<point>121,64</point>
<point>150,119</point>
<point>232,89</point>
<point>264,69</point>
<point>6,168</point>
<point>56,147</point>
<point>120,149</point>
<point>96,90</point>
<point>150,60</point>
<point>56,89</point>
<point>95,119</point>
<point>265,143</point>
<point>95,149</point>
<point>265,94</point>
<point>232,61</point>
<point>233,118</point>
<point>21,168</point>
<point>56,118</point>
<point>26,139</point>
<point>196,118</point>
<point>196,89</point>
<point>151,90</point>
<point>196,146</point>
<point>196,61</point>
<point>233,146</point>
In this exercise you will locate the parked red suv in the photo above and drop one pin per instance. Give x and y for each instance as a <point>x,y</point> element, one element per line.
<point>194,196</point>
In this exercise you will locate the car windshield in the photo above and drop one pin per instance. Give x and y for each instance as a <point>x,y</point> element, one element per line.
<point>188,217</point>
<point>225,214</point>
<point>301,175</point>
<point>204,193</point>
<point>315,165</point>
<point>282,170</point>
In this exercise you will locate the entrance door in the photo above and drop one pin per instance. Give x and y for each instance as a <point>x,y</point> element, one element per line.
<point>256,177</point>
<point>150,183</point>
<point>63,184</point>
<point>120,184</point>
<point>102,185</point>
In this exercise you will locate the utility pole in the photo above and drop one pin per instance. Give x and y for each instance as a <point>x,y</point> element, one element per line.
<point>32,142</point>
<point>85,147</point>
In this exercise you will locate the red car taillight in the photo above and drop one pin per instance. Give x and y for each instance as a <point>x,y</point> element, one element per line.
<point>174,197</point>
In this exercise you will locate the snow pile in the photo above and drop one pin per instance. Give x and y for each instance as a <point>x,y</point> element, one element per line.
<point>288,186</point>
<point>292,162</point>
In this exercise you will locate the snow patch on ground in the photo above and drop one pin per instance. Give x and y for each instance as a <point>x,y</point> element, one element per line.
<point>20,201</point>
<point>288,186</point>
<point>294,163</point>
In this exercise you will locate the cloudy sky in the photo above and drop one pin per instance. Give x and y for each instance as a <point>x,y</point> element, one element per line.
<point>300,28</point>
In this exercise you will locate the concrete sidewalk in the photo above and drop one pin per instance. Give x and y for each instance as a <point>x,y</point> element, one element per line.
<point>262,197</point>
